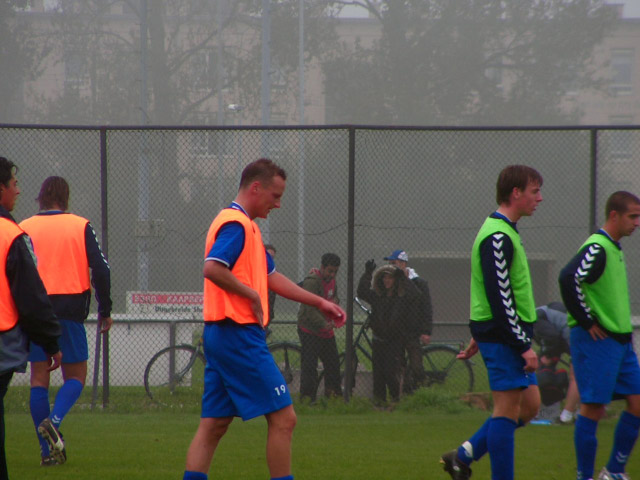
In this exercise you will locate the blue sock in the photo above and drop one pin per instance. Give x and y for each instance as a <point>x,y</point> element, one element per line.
<point>66,397</point>
<point>288,477</point>
<point>476,447</point>
<point>500,443</point>
<point>623,441</point>
<point>194,475</point>
<point>586,444</point>
<point>39,407</point>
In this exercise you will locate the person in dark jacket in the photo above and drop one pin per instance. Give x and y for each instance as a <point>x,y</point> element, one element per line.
<point>419,331</point>
<point>315,330</point>
<point>394,302</point>
<point>68,251</point>
<point>26,313</point>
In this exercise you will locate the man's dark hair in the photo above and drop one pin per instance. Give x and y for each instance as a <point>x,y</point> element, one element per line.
<point>330,260</point>
<point>515,176</point>
<point>54,192</point>
<point>7,170</point>
<point>619,202</point>
<point>262,170</point>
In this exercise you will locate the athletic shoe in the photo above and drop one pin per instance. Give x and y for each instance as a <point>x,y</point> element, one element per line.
<point>559,421</point>
<point>53,437</point>
<point>48,461</point>
<point>607,475</point>
<point>454,466</point>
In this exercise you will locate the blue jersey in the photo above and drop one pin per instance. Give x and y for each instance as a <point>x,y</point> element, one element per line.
<point>230,242</point>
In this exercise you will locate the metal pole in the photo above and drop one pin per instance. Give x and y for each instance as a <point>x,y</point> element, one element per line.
<point>301,213</point>
<point>265,94</point>
<point>348,375</point>
<point>143,162</point>
<point>265,91</point>
<point>593,214</point>
<point>104,224</point>
<point>219,69</point>
<point>222,136</point>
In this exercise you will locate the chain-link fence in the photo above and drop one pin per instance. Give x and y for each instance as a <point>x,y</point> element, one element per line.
<point>361,193</point>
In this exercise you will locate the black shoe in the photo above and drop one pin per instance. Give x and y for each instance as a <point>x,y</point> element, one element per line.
<point>454,466</point>
<point>53,437</point>
<point>48,461</point>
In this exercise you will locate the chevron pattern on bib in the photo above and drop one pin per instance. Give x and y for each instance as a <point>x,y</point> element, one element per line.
<point>500,262</point>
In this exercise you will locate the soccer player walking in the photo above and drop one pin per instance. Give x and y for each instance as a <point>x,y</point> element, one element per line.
<point>241,377</point>
<point>70,262</point>
<point>594,289</point>
<point>26,313</point>
<point>502,317</point>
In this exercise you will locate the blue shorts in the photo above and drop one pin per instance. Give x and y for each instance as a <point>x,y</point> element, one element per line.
<point>72,342</point>
<point>604,369</point>
<point>241,377</point>
<point>505,367</point>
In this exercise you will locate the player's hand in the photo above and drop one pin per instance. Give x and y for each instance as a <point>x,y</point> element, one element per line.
<point>334,312</point>
<point>256,308</point>
<point>531,361</point>
<point>105,323</point>
<point>425,339</point>
<point>468,352</point>
<point>597,333</point>
<point>54,361</point>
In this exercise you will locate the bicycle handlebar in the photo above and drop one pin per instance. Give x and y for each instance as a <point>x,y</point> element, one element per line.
<point>361,305</point>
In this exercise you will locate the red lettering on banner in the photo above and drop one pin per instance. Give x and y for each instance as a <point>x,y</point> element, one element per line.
<point>171,299</point>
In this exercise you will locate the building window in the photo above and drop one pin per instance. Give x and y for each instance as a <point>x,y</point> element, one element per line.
<point>278,76</point>
<point>620,141</point>
<point>622,71</point>
<point>204,64</point>
<point>76,71</point>
<point>210,143</point>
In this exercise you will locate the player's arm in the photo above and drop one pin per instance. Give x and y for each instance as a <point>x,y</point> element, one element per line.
<point>35,313</point>
<point>585,267</point>
<point>496,257</point>
<point>220,274</point>
<point>221,259</point>
<point>100,277</point>
<point>288,289</point>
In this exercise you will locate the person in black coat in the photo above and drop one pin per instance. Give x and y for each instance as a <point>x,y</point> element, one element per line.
<point>394,302</point>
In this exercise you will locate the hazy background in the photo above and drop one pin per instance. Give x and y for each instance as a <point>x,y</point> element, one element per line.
<point>259,62</point>
<point>429,63</point>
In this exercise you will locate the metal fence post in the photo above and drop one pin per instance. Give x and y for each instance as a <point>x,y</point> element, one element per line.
<point>348,380</point>
<point>593,214</point>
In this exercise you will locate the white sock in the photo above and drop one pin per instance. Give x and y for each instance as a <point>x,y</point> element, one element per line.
<point>566,416</point>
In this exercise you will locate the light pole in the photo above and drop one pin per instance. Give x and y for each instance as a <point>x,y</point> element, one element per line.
<point>301,139</point>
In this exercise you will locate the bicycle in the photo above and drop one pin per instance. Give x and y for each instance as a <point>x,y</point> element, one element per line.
<point>441,365</point>
<point>175,375</point>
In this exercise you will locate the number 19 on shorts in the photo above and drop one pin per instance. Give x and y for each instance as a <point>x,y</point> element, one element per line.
<point>281,390</point>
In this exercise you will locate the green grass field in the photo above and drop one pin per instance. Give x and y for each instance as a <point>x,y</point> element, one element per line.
<point>330,442</point>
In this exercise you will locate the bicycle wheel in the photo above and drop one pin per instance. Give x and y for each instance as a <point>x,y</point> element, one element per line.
<point>175,376</point>
<point>287,357</point>
<point>442,368</point>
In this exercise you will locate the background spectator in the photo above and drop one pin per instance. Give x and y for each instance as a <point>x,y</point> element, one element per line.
<point>316,332</point>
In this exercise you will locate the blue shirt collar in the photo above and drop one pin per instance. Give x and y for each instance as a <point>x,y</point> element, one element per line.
<point>602,231</point>
<point>237,206</point>
<point>496,214</point>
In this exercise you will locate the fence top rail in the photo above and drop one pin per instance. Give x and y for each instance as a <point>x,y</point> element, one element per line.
<point>321,127</point>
